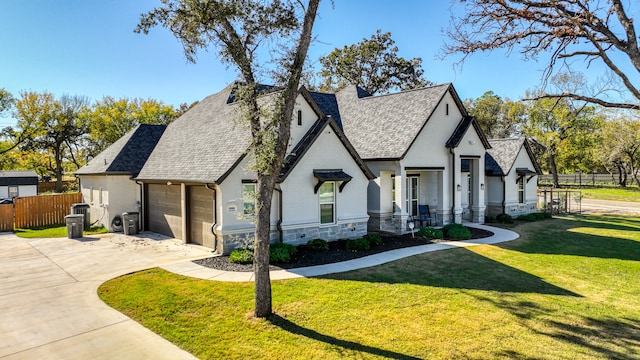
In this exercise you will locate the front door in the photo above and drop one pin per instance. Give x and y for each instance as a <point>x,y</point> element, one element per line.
<point>412,195</point>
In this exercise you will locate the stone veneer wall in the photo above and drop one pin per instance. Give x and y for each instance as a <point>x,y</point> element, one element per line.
<point>296,236</point>
<point>513,209</point>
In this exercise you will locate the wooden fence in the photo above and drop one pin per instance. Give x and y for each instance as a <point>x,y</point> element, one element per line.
<point>50,186</point>
<point>581,179</point>
<point>6,217</point>
<point>43,210</point>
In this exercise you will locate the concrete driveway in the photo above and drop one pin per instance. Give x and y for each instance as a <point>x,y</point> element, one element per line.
<point>49,308</point>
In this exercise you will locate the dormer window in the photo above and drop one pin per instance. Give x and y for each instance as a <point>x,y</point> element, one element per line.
<point>299,117</point>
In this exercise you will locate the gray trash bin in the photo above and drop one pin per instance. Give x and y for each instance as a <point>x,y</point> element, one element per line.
<point>74,225</point>
<point>130,223</point>
<point>82,208</point>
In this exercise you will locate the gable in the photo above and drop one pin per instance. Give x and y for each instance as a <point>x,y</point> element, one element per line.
<point>501,158</point>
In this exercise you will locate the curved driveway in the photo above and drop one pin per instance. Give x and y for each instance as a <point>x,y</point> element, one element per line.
<point>48,301</point>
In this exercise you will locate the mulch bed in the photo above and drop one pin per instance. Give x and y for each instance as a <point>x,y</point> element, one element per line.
<point>336,253</point>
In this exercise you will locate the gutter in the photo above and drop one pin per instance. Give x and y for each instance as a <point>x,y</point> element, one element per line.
<point>279,224</point>
<point>215,218</point>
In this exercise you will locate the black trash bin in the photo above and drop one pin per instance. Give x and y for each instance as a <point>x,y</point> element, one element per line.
<point>74,225</point>
<point>82,208</point>
<point>130,223</point>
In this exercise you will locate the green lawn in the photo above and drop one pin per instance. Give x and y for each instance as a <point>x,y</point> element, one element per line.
<point>567,289</point>
<point>631,193</point>
<point>54,231</point>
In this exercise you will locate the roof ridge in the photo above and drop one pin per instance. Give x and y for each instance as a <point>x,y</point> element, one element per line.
<point>406,91</point>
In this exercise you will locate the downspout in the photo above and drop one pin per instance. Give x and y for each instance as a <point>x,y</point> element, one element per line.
<point>142,200</point>
<point>504,195</point>
<point>279,224</point>
<point>215,218</point>
<point>453,184</point>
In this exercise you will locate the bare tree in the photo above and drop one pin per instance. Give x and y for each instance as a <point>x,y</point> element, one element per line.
<point>569,30</point>
<point>237,28</point>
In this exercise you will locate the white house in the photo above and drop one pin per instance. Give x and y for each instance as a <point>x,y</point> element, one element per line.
<point>199,186</point>
<point>106,181</point>
<point>511,177</point>
<point>15,183</point>
<point>423,148</point>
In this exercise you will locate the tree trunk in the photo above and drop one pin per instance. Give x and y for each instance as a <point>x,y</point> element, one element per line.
<point>266,183</point>
<point>553,168</point>
<point>58,156</point>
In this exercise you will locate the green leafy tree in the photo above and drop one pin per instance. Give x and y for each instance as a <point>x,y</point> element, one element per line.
<point>238,29</point>
<point>573,32</point>
<point>109,119</point>
<point>619,150</point>
<point>498,118</point>
<point>53,127</point>
<point>560,127</point>
<point>373,64</point>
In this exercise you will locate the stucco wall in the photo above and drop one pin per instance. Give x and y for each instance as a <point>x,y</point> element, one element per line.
<point>109,196</point>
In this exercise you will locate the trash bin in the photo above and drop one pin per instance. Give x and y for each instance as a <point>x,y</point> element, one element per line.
<point>74,225</point>
<point>130,222</point>
<point>82,208</point>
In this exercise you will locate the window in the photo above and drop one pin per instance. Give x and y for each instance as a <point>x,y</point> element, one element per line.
<point>393,192</point>
<point>13,191</point>
<point>446,109</point>
<point>469,189</point>
<point>299,117</point>
<point>249,199</point>
<point>521,196</point>
<point>327,202</point>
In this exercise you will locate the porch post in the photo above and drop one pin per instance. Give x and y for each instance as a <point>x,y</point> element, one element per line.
<point>400,214</point>
<point>478,207</point>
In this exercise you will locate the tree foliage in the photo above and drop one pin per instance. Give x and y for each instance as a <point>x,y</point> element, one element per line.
<point>52,127</point>
<point>498,118</point>
<point>373,64</point>
<point>109,119</point>
<point>619,149</point>
<point>238,29</point>
<point>568,30</point>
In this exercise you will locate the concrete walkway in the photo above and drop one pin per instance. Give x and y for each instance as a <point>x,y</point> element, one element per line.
<point>49,308</point>
<point>197,271</point>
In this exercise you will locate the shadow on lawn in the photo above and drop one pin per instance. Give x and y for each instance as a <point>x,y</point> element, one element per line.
<point>560,240</point>
<point>612,338</point>
<point>287,325</point>
<point>456,268</point>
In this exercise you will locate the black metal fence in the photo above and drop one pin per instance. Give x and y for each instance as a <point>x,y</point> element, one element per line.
<point>580,179</point>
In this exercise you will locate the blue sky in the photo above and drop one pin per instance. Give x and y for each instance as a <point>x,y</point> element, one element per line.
<point>88,48</point>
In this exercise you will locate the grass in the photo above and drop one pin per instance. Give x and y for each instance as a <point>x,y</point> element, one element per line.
<point>631,193</point>
<point>54,231</point>
<point>567,289</point>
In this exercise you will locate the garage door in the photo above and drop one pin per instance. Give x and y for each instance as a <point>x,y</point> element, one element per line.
<point>163,209</point>
<point>200,215</point>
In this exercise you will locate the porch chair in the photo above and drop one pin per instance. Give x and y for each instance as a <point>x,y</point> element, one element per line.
<point>424,215</point>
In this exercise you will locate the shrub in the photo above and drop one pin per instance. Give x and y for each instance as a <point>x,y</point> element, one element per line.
<point>281,252</point>
<point>279,255</point>
<point>489,219</point>
<point>527,217</point>
<point>546,215</point>
<point>456,231</point>
<point>431,233</point>
<point>504,218</point>
<point>374,239</point>
<point>241,256</point>
<point>358,244</point>
<point>318,245</point>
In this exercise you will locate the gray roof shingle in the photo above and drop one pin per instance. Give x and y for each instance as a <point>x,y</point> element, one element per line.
<point>503,153</point>
<point>202,145</point>
<point>128,154</point>
<point>385,126</point>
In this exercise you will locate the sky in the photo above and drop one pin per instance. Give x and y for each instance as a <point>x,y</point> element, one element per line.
<point>88,48</point>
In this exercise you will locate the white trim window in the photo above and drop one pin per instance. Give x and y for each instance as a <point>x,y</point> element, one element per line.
<point>327,200</point>
<point>249,199</point>
<point>521,190</point>
<point>14,191</point>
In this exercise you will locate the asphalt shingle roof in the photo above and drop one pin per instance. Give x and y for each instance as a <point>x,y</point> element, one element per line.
<point>385,126</point>
<point>18,177</point>
<point>329,105</point>
<point>503,153</point>
<point>202,145</point>
<point>128,154</point>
